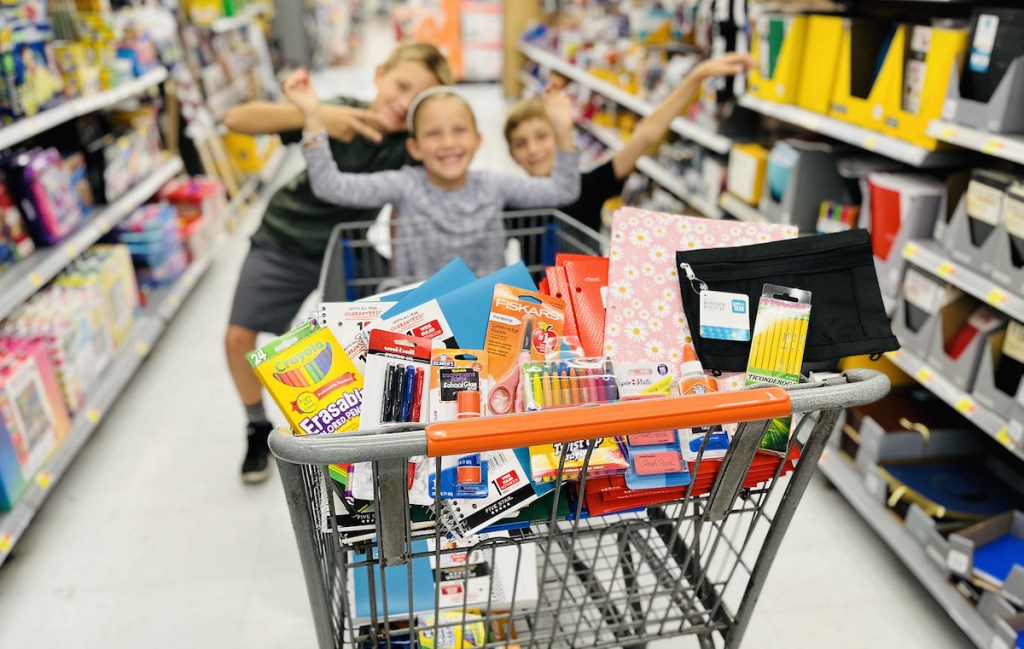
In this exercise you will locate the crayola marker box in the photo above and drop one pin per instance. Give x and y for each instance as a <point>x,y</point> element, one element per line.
<point>311,379</point>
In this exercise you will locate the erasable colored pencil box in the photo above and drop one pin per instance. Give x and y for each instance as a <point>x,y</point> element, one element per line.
<point>849,318</point>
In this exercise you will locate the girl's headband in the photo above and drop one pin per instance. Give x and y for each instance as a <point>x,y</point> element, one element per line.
<point>410,116</point>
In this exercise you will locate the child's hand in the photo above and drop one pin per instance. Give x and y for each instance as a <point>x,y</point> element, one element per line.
<point>727,65</point>
<point>299,90</point>
<point>558,108</point>
<point>344,123</point>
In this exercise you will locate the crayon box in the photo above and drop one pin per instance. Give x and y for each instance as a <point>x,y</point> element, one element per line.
<point>311,379</point>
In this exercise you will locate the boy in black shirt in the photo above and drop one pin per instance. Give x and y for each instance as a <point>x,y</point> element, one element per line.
<point>531,136</point>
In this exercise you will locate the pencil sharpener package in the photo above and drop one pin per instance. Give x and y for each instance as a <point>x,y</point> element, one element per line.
<point>311,380</point>
<point>397,379</point>
<point>569,382</point>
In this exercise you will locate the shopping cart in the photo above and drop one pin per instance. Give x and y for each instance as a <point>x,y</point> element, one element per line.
<point>357,261</point>
<point>693,565</point>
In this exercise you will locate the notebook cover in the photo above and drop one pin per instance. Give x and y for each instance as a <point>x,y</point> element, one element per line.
<point>454,275</point>
<point>588,283</point>
<point>558,284</point>
<point>562,258</point>
<point>994,561</point>
<point>644,319</point>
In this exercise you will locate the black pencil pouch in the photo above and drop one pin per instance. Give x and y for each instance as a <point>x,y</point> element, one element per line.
<point>847,314</point>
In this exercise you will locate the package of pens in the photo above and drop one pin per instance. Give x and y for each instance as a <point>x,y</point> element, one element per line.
<point>458,390</point>
<point>396,380</point>
<point>568,382</point>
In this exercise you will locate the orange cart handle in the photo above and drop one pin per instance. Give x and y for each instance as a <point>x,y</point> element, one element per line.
<point>589,422</point>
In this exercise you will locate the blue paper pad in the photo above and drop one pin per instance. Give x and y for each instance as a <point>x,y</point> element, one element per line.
<point>996,559</point>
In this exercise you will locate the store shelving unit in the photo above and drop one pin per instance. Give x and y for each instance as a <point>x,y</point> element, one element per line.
<point>856,491</point>
<point>654,170</point>
<point>740,209</point>
<point>31,126</point>
<point>1007,147</point>
<point>930,256</point>
<point>229,23</point>
<point>149,325</point>
<point>681,126</point>
<point>861,137</point>
<point>992,424</point>
<point>30,274</point>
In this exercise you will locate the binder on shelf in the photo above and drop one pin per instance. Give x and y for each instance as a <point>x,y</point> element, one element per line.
<point>868,74</point>
<point>926,55</point>
<point>800,176</point>
<point>818,72</point>
<point>778,49</point>
<point>986,90</point>
<point>927,308</point>
<point>965,340</point>
<point>899,207</point>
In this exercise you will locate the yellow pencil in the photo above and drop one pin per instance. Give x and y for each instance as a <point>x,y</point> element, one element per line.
<point>769,342</point>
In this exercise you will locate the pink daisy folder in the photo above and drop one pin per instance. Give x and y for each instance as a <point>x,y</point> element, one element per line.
<point>645,320</point>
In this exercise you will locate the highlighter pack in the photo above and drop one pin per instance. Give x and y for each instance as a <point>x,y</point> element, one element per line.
<point>311,379</point>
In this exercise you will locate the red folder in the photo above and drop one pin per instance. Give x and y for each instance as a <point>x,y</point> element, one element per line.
<point>885,219</point>
<point>558,286</point>
<point>588,279</point>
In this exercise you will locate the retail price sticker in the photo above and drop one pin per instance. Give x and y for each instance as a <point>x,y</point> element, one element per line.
<point>71,250</point>
<point>966,406</point>
<point>36,280</point>
<point>997,297</point>
<point>947,133</point>
<point>911,250</point>
<point>92,415</point>
<point>958,562</point>
<point>992,145</point>
<point>946,270</point>
<point>5,542</point>
<point>142,348</point>
<point>44,479</point>
<point>809,121</point>
<point>924,375</point>
<point>871,142</point>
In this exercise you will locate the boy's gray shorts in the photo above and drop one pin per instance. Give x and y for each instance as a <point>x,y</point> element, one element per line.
<point>272,287</point>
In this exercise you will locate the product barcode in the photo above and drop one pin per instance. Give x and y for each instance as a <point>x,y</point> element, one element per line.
<point>500,457</point>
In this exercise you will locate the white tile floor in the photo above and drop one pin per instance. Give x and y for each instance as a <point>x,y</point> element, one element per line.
<point>151,540</point>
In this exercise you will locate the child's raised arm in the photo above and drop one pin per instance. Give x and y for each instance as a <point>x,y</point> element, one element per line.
<point>562,187</point>
<point>327,181</point>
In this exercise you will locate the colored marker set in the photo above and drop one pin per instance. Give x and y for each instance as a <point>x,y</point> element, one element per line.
<point>572,382</point>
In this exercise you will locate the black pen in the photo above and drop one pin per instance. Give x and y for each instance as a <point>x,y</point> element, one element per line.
<point>387,397</point>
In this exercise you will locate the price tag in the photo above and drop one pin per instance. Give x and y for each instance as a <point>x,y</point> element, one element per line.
<point>957,562</point>
<point>947,133</point>
<point>5,542</point>
<point>810,122</point>
<point>874,485</point>
<point>924,375</point>
<point>142,348</point>
<point>966,406</point>
<point>43,480</point>
<point>36,280</point>
<point>946,269</point>
<point>71,250</point>
<point>992,146</point>
<point>92,415</point>
<point>910,250</point>
<point>871,142</point>
<point>174,301</point>
<point>997,297</point>
<point>894,354</point>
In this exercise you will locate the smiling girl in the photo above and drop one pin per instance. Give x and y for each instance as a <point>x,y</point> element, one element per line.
<point>444,209</point>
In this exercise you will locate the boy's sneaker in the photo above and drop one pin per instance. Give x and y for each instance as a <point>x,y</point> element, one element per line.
<point>255,468</point>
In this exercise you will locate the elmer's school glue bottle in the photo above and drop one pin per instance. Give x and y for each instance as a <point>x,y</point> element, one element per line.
<point>694,382</point>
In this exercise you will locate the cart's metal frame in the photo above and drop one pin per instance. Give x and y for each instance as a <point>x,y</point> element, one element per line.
<point>694,566</point>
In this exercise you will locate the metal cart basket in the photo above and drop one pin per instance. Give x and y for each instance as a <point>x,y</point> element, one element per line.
<point>384,572</point>
<point>356,264</point>
<point>694,565</point>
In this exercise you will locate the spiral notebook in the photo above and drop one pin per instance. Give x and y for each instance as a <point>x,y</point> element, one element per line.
<point>510,490</point>
<point>348,320</point>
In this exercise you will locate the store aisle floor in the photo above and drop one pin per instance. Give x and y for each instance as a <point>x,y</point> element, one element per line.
<point>151,540</point>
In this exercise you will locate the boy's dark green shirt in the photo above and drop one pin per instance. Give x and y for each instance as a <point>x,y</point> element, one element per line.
<point>299,222</point>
